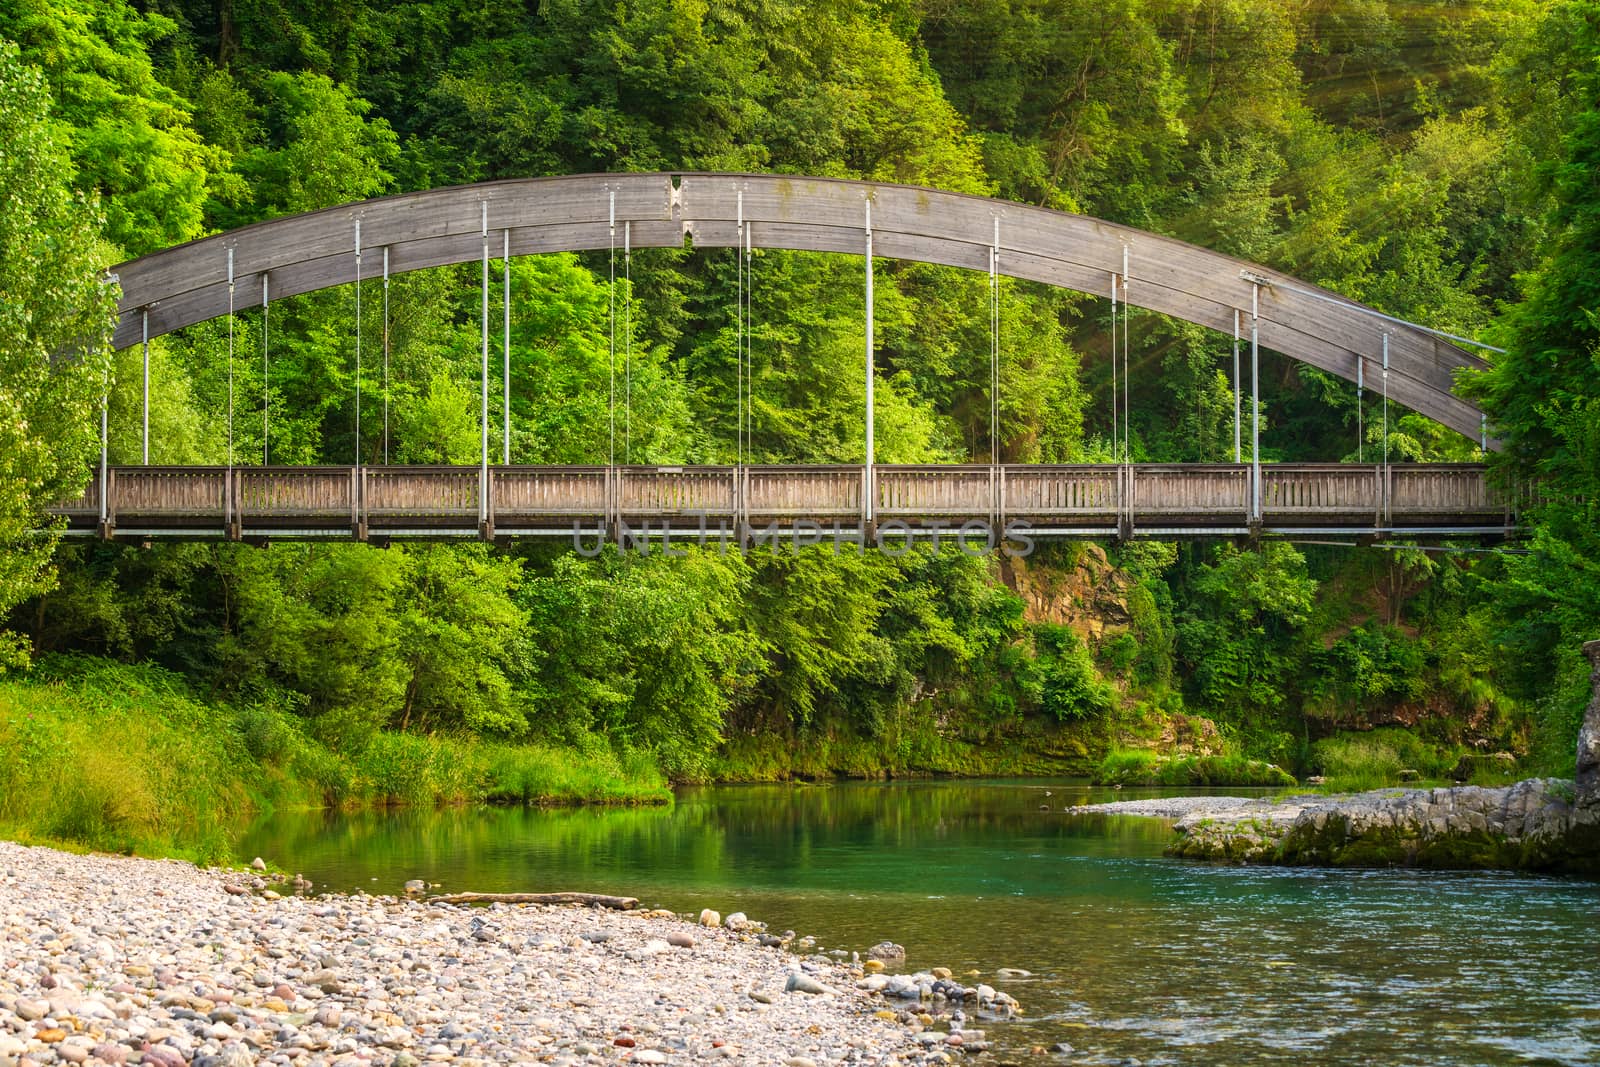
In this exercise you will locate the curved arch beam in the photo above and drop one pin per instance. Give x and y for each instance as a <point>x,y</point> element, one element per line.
<point>187,284</point>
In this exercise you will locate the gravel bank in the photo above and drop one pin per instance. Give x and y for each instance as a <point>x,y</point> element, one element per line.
<point>115,960</point>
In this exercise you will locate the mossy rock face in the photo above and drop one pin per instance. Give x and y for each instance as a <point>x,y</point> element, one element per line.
<point>1529,826</point>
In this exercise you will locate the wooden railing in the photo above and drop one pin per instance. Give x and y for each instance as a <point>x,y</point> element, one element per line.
<point>1122,500</point>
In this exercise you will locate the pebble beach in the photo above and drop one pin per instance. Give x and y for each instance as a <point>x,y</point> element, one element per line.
<point>114,960</point>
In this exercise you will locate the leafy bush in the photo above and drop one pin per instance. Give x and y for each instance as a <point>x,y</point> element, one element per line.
<point>1069,687</point>
<point>1141,767</point>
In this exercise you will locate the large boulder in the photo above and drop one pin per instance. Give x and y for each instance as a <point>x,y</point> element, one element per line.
<point>1588,788</point>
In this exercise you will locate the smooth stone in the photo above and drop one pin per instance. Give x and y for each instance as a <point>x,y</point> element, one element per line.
<point>649,1055</point>
<point>258,864</point>
<point>804,983</point>
<point>886,950</point>
<point>708,917</point>
<point>680,939</point>
<point>1012,972</point>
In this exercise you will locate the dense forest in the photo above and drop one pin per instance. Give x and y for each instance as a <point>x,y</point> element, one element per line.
<point>1434,158</point>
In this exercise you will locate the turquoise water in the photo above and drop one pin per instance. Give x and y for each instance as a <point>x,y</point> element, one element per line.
<point>1134,956</point>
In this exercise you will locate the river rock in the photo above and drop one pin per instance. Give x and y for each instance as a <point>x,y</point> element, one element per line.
<point>1588,783</point>
<point>363,981</point>
<point>258,864</point>
<point>804,983</point>
<point>416,887</point>
<point>887,951</point>
<point>709,917</point>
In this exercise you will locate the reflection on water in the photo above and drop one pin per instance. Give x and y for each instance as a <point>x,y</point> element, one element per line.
<point>1133,955</point>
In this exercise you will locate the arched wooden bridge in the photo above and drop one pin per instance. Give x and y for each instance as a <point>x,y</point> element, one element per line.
<point>205,279</point>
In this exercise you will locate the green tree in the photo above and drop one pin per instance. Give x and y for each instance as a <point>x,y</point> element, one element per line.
<point>129,137</point>
<point>56,315</point>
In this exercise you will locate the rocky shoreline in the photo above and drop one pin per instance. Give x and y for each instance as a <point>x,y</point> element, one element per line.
<point>113,960</point>
<point>1538,824</point>
<point>1532,825</point>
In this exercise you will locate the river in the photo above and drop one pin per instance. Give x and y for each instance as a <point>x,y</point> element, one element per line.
<point>1133,956</point>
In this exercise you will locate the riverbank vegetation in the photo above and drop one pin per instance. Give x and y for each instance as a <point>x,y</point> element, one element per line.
<point>1436,163</point>
<point>127,758</point>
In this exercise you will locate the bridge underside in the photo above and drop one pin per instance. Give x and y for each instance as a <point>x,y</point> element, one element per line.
<point>769,503</point>
<point>243,268</point>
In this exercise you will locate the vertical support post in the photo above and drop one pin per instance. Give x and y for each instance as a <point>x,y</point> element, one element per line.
<point>356,461</point>
<point>1255,401</point>
<point>870,490</point>
<point>144,437</point>
<point>266,393</point>
<point>505,262</point>
<point>483,375</point>
<point>1483,436</point>
<point>1238,454</point>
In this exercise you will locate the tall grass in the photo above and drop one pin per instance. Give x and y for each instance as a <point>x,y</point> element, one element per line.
<point>120,758</point>
<point>1142,767</point>
<point>1356,762</point>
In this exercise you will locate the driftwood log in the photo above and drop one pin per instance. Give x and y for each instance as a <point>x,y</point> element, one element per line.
<point>598,900</point>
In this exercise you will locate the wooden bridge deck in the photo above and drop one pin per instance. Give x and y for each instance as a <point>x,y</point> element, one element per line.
<point>1127,500</point>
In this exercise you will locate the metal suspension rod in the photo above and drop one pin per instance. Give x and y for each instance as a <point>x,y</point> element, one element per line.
<point>994,346</point>
<point>1127,378</point>
<point>1255,400</point>
<point>357,459</point>
<point>505,262</point>
<point>266,394</point>
<point>1385,399</point>
<point>385,355</point>
<point>749,343</point>
<point>627,341</point>
<point>611,298</point>
<point>1115,411</point>
<point>105,450</point>
<point>230,357</point>
<point>1361,385</point>
<point>738,331</point>
<point>145,434</point>
<point>1237,453</point>
<point>867,499</point>
<point>483,382</point>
